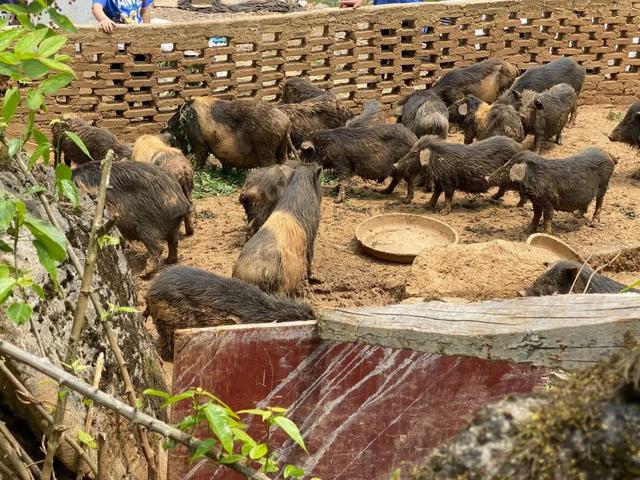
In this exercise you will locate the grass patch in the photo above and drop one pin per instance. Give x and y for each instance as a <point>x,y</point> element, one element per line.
<point>327,177</point>
<point>615,116</point>
<point>213,182</point>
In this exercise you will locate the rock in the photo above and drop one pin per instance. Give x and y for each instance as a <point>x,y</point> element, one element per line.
<point>479,271</point>
<point>53,319</point>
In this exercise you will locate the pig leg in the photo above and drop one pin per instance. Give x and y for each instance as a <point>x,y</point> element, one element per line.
<point>409,197</point>
<point>548,218</point>
<point>537,141</point>
<point>499,194</point>
<point>188,221</point>
<point>448,202</point>
<point>343,182</point>
<point>595,221</point>
<point>172,243</point>
<point>153,262</point>
<point>537,214</point>
<point>437,190</point>
<point>573,115</point>
<point>392,186</point>
<point>522,201</point>
<point>559,138</point>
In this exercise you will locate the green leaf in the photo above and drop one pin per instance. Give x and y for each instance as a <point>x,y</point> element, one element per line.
<point>7,37</point>
<point>15,144</point>
<point>9,58</point>
<point>278,409</point>
<point>62,57</point>
<point>34,68</point>
<point>189,422</point>
<point>168,444</point>
<point>40,137</point>
<point>63,22</point>
<point>156,393</point>
<point>55,65</point>
<point>218,417</point>
<point>52,238</point>
<point>10,103</point>
<point>270,466</point>
<point>87,402</point>
<point>7,211</point>
<point>630,287</point>
<point>35,8</point>
<point>244,451</point>
<point>87,439</point>
<point>252,411</point>
<point>34,189</point>
<point>69,190</point>
<point>41,151</point>
<point>178,398</point>
<point>35,99</point>
<point>27,45</point>
<point>258,451</point>
<point>39,290</point>
<point>6,287</point>
<point>19,313</point>
<point>5,247</point>
<point>5,270</point>
<point>229,459</point>
<point>51,45</point>
<point>63,172</point>
<point>107,241</point>
<point>47,262</point>
<point>243,436</point>
<point>290,429</point>
<point>202,449</point>
<point>291,471</point>
<point>15,9</point>
<point>55,82</point>
<point>78,141</point>
<point>126,310</point>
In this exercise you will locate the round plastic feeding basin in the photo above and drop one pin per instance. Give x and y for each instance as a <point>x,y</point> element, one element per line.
<point>399,237</point>
<point>554,245</point>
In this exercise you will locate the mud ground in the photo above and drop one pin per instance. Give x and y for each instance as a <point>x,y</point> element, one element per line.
<point>352,278</point>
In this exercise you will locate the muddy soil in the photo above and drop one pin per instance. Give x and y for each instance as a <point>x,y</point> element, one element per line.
<point>352,278</point>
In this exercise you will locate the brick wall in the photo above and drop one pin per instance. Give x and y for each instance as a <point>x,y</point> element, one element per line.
<point>132,81</point>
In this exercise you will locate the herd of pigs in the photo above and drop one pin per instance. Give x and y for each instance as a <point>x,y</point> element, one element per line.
<point>287,146</point>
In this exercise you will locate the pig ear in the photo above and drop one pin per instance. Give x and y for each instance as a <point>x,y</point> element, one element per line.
<point>538,104</point>
<point>518,172</point>
<point>425,156</point>
<point>307,145</point>
<point>569,275</point>
<point>463,109</point>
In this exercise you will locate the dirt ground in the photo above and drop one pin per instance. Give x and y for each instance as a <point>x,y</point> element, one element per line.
<point>352,278</point>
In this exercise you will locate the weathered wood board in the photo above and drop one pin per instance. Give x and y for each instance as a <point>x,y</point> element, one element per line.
<point>568,331</point>
<point>362,409</point>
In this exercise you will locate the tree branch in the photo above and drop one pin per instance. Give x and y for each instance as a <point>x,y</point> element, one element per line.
<point>89,418</point>
<point>22,391</point>
<point>71,355</point>
<point>13,458</point>
<point>134,416</point>
<point>22,453</point>
<point>111,337</point>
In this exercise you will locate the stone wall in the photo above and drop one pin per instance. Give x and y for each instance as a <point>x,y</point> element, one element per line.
<point>133,80</point>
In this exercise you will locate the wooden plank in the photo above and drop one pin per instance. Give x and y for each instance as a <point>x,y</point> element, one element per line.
<point>567,331</point>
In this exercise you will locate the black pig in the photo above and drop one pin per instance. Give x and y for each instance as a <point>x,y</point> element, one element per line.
<point>360,149</point>
<point>186,297</point>
<point>628,130</point>
<point>452,166</point>
<point>297,90</point>
<point>486,80</point>
<point>565,277</point>
<point>546,114</point>
<point>539,79</point>
<point>97,140</point>
<point>279,256</point>
<point>153,149</point>
<point>481,120</point>
<point>146,202</point>
<point>424,113</point>
<point>242,133</point>
<point>309,117</point>
<point>261,192</point>
<point>567,184</point>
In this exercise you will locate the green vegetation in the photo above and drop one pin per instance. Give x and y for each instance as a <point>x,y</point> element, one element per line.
<point>615,116</point>
<point>213,182</point>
